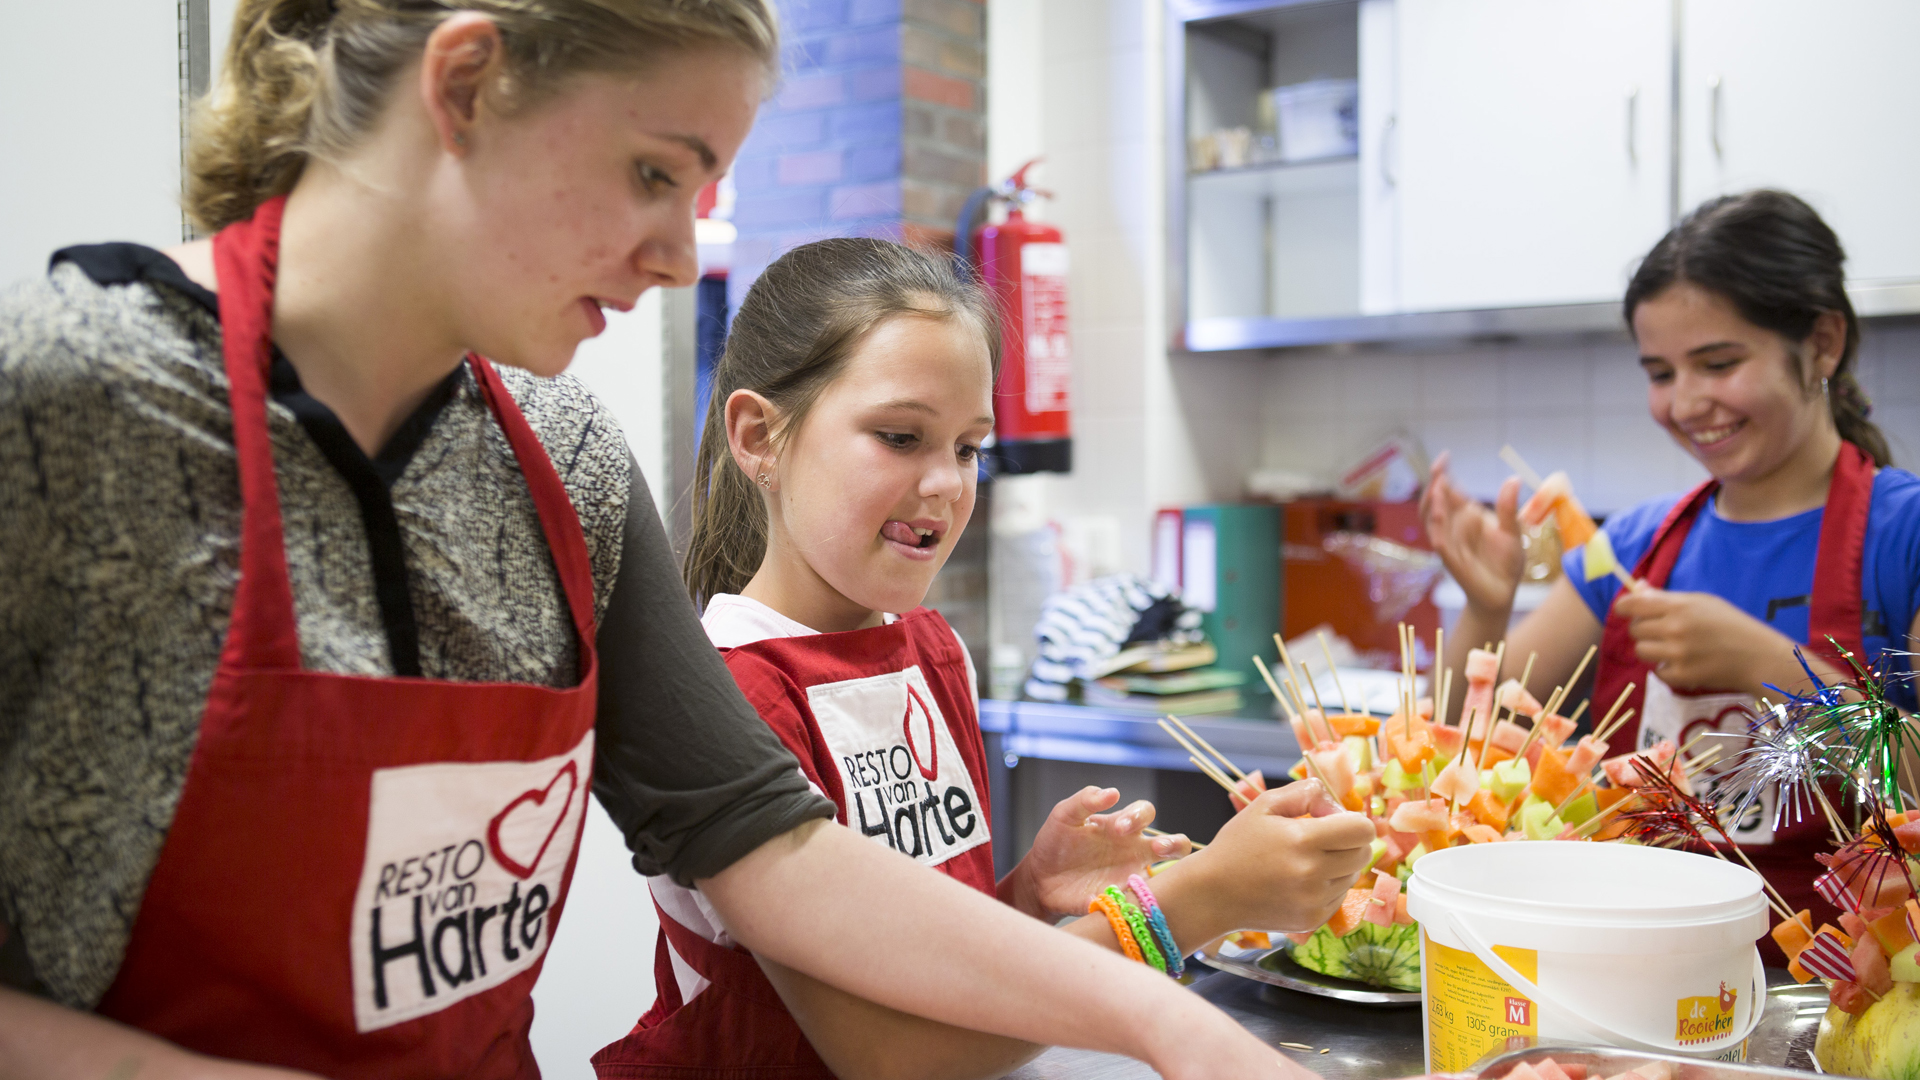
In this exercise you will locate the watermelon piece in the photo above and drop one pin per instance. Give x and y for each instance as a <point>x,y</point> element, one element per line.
<point>1522,1071</point>
<point>1513,697</point>
<point>1870,966</point>
<point>1554,730</point>
<point>1849,997</point>
<point>1386,890</point>
<point>1324,952</point>
<point>1336,768</point>
<point>1508,736</point>
<point>1419,817</point>
<point>1248,789</point>
<point>1909,836</point>
<point>1301,737</point>
<point>1854,925</point>
<point>1448,742</point>
<point>1457,782</point>
<point>1574,1070</point>
<point>1394,852</point>
<point>1550,1069</point>
<point>1793,936</point>
<point>1891,889</point>
<point>1482,667</point>
<point>1621,771</point>
<point>1301,938</point>
<point>1586,754</point>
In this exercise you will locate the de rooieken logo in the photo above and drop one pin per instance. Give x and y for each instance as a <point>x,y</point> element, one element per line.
<point>906,784</point>
<point>464,864</point>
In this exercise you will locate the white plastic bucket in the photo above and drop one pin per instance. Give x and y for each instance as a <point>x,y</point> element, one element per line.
<point>1609,944</point>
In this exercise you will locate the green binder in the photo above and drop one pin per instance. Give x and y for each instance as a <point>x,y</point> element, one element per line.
<point>1230,571</point>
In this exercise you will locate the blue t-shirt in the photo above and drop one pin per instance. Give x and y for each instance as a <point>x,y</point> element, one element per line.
<point>1765,568</point>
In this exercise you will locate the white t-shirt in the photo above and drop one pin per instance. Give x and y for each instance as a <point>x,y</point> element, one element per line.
<point>730,622</point>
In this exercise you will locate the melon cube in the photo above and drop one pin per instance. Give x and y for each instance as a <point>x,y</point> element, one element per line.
<point>1904,965</point>
<point>1793,936</point>
<point>1849,997</point>
<point>1870,966</point>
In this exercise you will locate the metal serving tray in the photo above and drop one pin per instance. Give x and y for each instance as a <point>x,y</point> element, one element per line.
<point>1276,968</point>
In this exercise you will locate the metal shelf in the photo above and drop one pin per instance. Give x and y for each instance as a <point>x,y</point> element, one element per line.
<point>1083,733</point>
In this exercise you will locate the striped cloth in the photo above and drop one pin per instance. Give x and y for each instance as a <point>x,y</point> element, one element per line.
<point>1089,623</point>
<point>1826,957</point>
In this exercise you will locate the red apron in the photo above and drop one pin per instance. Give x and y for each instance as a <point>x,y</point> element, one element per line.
<point>883,722</point>
<point>1784,855</point>
<point>363,874</point>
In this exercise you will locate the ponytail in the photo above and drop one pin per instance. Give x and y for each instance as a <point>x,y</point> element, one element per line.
<point>307,78</point>
<point>1772,257</point>
<point>793,335</point>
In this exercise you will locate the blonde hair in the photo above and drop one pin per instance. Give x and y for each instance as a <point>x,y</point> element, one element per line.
<point>799,324</point>
<point>306,78</point>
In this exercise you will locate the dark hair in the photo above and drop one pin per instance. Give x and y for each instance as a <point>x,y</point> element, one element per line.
<point>798,325</point>
<point>1781,267</point>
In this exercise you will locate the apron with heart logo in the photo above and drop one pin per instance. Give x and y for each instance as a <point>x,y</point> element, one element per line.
<point>363,874</point>
<point>1662,712</point>
<point>884,723</point>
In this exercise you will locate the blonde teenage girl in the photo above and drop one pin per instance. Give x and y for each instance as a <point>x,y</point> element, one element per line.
<point>838,469</point>
<point>315,626</point>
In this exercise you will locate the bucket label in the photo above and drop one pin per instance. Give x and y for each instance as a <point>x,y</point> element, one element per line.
<point>1704,1019</point>
<point>1471,1010</point>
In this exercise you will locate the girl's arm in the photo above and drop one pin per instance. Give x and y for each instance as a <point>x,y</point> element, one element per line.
<point>1265,869</point>
<point>876,925</point>
<point>43,1041</point>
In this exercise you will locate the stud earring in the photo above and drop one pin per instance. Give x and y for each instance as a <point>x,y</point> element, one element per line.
<point>764,481</point>
<point>459,138</point>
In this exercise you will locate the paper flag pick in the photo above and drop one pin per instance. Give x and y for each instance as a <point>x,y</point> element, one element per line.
<point>1827,958</point>
<point>1600,560</point>
<point>1830,886</point>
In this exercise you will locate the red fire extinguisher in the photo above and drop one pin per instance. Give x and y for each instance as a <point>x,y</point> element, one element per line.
<point>1023,265</point>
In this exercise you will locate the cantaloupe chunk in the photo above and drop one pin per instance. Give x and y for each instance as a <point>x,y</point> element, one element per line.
<point>1551,780</point>
<point>1352,909</point>
<point>1487,809</point>
<point>1891,930</point>
<point>1345,724</point>
<point>1870,966</point>
<point>1793,936</point>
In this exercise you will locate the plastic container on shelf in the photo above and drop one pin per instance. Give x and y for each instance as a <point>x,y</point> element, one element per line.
<point>1318,119</point>
<point>1639,948</point>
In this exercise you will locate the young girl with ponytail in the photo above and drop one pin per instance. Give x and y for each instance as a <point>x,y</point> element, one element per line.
<point>303,603</point>
<point>836,472</point>
<point>1805,531</point>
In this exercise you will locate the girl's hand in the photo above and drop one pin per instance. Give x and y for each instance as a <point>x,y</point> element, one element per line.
<point>1697,641</point>
<point>1080,851</point>
<point>1480,547</point>
<point>1274,867</point>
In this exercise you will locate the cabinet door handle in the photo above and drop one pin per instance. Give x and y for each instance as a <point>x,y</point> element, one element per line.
<point>1633,126</point>
<point>1388,141</point>
<point>1713,118</point>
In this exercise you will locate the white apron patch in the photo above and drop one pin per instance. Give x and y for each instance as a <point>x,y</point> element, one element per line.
<point>464,862</point>
<point>906,784</point>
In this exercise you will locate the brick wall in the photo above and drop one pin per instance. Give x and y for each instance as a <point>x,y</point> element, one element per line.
<point>878,129</point>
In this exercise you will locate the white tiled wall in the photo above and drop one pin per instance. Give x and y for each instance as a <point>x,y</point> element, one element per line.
<point>1577,407</point>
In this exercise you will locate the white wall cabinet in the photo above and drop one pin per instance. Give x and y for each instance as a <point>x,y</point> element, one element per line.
<point>1517,158</point>
<point>1533,161</point>
<point>1818,99</point>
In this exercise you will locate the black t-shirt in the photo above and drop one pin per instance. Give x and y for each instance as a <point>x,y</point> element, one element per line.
<point>119,516</point>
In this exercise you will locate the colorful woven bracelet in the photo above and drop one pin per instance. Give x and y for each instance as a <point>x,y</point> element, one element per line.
<point>1137,922</point>
<point>1118,920</point>
<point>1157,920</point>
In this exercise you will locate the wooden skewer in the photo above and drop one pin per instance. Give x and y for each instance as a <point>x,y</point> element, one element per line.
<point>1578,709</point>
<point>1581,668</point>
<point>1190,748</point>
<point>1333,670</point>
<point>1617,725</point>
<point>1207,746</point>
<point>1520,467</point>
<point>1621,700</point>
<point>1216,776</point>
<point>1192,843</point>
<point>1261,666</point>
<point>1487,744</point>
<point>1287,659</point>
<point>1703,761</point>
<point>1445,699</point>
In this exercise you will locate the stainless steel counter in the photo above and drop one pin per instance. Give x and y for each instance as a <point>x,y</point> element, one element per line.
<point>1374,1043</point>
